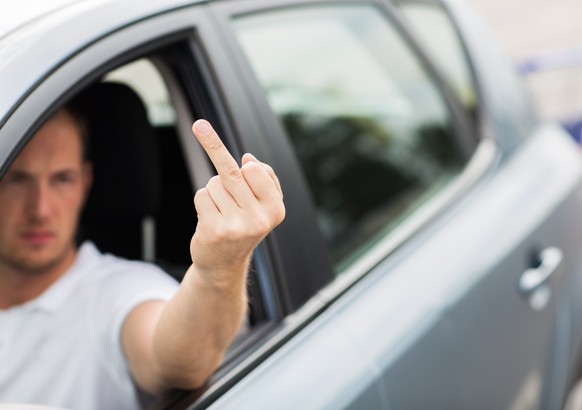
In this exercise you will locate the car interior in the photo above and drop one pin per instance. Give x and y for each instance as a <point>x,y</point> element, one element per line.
<point>130,160</point>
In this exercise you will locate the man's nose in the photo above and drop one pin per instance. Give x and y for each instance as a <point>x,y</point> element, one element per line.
<point>39,202</point>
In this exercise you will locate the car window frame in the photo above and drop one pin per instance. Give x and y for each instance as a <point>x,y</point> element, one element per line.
<point>300,254</point>
<point>476,124</point>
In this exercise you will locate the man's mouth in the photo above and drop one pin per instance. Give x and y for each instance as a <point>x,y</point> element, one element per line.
<point>37,237</point>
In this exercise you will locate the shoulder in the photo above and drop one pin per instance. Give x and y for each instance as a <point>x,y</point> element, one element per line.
<point>104,266</point>
<point>117,279</point>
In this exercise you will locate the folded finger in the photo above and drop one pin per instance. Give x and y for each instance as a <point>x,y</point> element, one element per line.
<point>204,204</point>
<point>223,200</point>
<point>250,157</point>
<point>260,182</point>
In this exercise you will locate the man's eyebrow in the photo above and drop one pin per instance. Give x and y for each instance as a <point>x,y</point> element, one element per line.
<point>23,173</point>
<point>19,172</point>
<point>15,173</point>
<point>73,171</point>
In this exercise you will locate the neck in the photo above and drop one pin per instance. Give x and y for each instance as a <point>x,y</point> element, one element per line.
<point>18,287</point>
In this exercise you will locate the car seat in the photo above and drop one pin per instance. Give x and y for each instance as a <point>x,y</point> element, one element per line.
<point>119,216</point>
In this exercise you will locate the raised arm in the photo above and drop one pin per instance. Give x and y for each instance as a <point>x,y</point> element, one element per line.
<point>180,343</point>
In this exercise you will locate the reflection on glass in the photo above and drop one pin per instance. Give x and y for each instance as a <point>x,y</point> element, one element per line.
<point>438,35</point>
<point>368,126</point>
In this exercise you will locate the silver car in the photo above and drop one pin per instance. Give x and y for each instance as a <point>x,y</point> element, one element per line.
<point>431,255</point>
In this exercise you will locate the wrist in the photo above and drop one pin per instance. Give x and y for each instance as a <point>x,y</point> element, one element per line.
<point>222,279</point>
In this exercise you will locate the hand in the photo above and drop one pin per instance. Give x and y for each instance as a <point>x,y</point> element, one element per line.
<point>236,210</point>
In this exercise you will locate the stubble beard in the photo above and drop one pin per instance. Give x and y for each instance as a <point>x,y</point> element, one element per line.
<point>30,265</point>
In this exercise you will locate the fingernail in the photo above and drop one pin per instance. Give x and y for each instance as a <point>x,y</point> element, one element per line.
<point>202,127</point>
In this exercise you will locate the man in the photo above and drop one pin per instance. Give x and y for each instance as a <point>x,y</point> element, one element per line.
<point>114,329</point>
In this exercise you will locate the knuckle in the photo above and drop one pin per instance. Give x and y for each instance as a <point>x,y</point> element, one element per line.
<point>200,195</point>
<point>269,169</point>
<point>214,144</point>
<point>262,225</point>
<point>250,167</point>
<point>277,215</point>
<point>280,214</point>
<point>212,182</point>
<point>234,173</point>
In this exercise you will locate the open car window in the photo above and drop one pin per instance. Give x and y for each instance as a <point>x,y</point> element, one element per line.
<point>140,169</point>
<point>148,166</point>
<point>146,80</point>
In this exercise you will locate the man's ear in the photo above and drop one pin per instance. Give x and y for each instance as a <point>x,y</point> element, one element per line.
<point>87,179</point>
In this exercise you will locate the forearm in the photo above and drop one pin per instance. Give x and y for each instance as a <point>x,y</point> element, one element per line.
<point>197,326</point>
<point>236,210</point>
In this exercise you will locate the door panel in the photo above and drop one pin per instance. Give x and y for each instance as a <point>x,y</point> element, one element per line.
<point>456,332</point>
<point>318,369</point>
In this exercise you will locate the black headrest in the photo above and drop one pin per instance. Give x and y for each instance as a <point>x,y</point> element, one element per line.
<point>123,149</point>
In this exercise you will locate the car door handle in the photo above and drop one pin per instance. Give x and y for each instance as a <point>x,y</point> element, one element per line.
<point>531,280</point>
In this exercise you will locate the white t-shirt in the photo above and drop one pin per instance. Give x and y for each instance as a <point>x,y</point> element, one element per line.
<point>64,349</point>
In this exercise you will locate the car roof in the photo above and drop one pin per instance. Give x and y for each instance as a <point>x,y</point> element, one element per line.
<point>36,36</point>
<point>22,12</point>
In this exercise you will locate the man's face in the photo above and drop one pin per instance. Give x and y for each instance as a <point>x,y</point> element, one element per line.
<point>41,197</point>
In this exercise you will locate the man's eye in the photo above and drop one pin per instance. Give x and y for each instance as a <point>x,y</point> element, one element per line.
<point>63,178</point>
<point>14,179</point>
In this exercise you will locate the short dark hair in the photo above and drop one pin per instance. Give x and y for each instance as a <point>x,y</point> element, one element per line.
<point>81,124</point>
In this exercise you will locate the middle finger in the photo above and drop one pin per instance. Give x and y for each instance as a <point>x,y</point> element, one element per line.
<point>226,166</point>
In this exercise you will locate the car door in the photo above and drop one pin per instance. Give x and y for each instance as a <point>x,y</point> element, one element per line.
<point>449,297</point>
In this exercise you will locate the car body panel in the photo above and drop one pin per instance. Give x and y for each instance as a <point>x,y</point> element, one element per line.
<point>24,12</point>
<point>296,375</point>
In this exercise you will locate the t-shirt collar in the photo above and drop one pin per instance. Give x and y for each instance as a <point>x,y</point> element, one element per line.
<point>52,298</point>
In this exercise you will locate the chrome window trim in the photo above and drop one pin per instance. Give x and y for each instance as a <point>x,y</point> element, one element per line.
<point>199,170</point>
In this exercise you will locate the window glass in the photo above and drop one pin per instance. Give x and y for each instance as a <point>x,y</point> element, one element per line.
<point>439,37</point>
<point>369,127</point>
